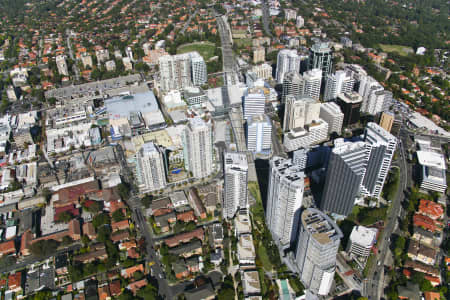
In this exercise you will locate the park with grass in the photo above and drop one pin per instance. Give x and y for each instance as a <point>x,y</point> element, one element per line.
<point>399,49</point>
<point>205,49</point>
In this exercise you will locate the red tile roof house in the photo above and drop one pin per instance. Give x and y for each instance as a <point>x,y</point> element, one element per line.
<point>71,209</point>
<point>89,230</point>
<point>15,282</point>
<point>137,285</point>
<point>427,223</point>
<point>431,209</point>
<point>122,225</point>
<point>91,256</point>
<point>120,236</point>
<point>128,272</point>
<point>186,216</point>
<point>71,195</point>
<point>104,293</point>
<point>25,243</point>
<point>114,288</point>
<point>7,248</point>
<point>185,237</point>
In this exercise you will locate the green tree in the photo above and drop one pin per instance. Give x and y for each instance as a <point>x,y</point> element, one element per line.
<point>124,191</point>
<point>44,248</point>
<point>118,216</point>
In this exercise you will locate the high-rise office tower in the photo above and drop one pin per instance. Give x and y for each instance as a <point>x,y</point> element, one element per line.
<point>293,84</point>
<point>345,172</point>
<point>259,134</point>
<point>321,57</point>
<point>318,243</point>
<point>313,81</point>
<point>337,83</point>
<point>61,64</point>
<point>383,146</point>
<point>350,105</point>
<point>235,190</point>
<point>287,61</point>
<point>150,170</point>
<point>182,70</point>
<point>254,102</point>
<point>285,196</point>
<point>199,72</point>
<point>197,147</point>
<point>331,113</point>
<point>300,112</point>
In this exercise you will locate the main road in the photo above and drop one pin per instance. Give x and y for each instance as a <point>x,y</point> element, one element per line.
<point>229,63</point>
<point>373,285</point>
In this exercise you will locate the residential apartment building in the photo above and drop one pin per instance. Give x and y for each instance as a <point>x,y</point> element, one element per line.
<point>331,113</point>
<point>287,61</point>
<point>304,137</point>
<point>293,85</point>
<point>318,243</point>
<point>259,134</point>
<point>182,70</point>
<point>254,103</point>
<point>235,179</point>
<point>383,145</point>
<point>150,168</point>
<point>259,55</point>
<point>338,83</point>
<point>313,81</point>
<point>61,64</point>
<point>346,169</point>
<point>285,197</point>
<point>197,147</point>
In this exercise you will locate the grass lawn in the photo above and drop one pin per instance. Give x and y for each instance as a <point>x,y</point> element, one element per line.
<point>402,50</point>
<point>264,258</point>
<point>205,49</point>
<point>243,42</point>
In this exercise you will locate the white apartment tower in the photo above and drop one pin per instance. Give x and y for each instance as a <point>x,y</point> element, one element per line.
<point>361,242</point>
<point>300,112</point>
<point>197,147</point>
<point>293,84</point>
<point>182,70</point>
<point>300,22</point>
<point>374,98</point>
<point>378,101</point>
<point>287,61</point>
<point>331,113</point>
<point>236,178</point>
<point>199,72</point>
<point>259,134</point>
<point>285,197</point>
<point>318,243</point>
<point>313,80</point>
<point>263,71</point>
<point>150,168</point>
<point>337,83</point>
<point>254,102</point>
<point>61,64</point>
<point>383,146</point>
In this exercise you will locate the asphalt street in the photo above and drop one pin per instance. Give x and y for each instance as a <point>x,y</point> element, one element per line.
<point>373,284</point>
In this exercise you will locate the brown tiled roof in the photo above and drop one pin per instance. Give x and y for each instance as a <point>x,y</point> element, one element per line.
<point>185,237</point>
<point>7,248</point>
